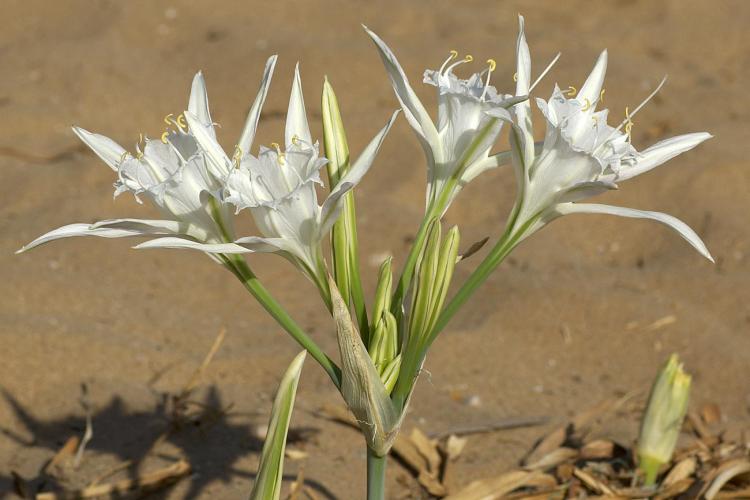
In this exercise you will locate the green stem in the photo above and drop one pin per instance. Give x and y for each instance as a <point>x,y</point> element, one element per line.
<point>375,476</point>
<point>650,467</point>
<point>239,267</point>
<point>412,364</point>
<point>355,282</point>
<point>475,280</point>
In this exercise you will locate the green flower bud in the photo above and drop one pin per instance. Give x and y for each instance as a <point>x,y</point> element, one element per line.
<point>662,421</point>
<point>383,292</point>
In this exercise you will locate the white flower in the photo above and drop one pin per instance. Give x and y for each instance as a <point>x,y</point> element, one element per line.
<point>458,148</point>
<point>581,155</point>
<point>175,174</point>
<point>278,187</point>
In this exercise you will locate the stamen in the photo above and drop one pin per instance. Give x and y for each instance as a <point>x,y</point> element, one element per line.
<point>181,122</point>
<point>168,119</point>
<point>571,92</point>
<point>123,156</point>
<point>629,116</point>
<point>280,159</point>
<point>237,156</point>
<point>601,95</point>
<point>515,77</point>
<point>295,140</point>
<point>466,59</point>
<point>544,73</point>
<point>587,105</point>
<point>454,55</point>
<point>164,136</point>
<point>491,67</point>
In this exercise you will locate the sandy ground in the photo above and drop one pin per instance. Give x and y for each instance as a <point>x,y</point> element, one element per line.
<point>133,325</point>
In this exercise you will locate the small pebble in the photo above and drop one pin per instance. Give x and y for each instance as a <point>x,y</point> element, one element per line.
<point>474,401</point>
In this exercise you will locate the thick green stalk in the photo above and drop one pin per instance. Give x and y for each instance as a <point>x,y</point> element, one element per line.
<point>375,476</point>
<point>240,268</point>
<point>355,281</point>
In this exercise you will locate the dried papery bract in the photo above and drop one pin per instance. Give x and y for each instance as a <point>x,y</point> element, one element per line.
<point>361,386</point>
<point>271,469</point>
<point>662,421</point>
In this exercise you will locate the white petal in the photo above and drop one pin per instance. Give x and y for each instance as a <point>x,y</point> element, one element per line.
<point>661,152</point>
<point>494,161</point>
<point>263,245</point>
<point>523,110</point>
<point>219,163</point>
<point>523,61</point>
<point>144,226</point>
<point>414,111</point>
<point>296,118</point>
<point>332,206</point>
<point>104,147</point>
<point>251,124</point>
<point>82,229</point>
<point>198,104</point>
<point>171,242</point>
<point>593,85</point>
<point>680,227</point>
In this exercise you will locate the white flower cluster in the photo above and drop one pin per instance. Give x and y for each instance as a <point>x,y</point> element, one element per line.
<point>197,185</point>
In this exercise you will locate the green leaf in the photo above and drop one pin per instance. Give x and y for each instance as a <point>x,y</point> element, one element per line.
<point>268,481</point>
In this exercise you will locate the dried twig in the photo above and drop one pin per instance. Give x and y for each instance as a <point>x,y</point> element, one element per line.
<point>147,482</point>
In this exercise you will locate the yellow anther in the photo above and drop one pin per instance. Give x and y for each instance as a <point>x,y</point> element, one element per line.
<point>468,58</point>
<point>237,156</point>
<point>164,136</point>
<point>295,140</point>
<point>515,77</point>
<point>181,122</point>
<point>140,138</point>
<point>123,156</point>
<point>168,119</point>
<point>571,92</point>
<point>281,159</point>
<point>629,129</point>
<point>587,105</point>
<point>492,64</point>
<point>601,95</point>
<point>628,123</point>
<point>454,54</point>
<point>139,154</point>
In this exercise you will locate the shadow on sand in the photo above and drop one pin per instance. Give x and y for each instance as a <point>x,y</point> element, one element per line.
<point>205,433</point>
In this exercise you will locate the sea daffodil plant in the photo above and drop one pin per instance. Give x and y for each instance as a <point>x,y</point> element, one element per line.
<point>200,189</point>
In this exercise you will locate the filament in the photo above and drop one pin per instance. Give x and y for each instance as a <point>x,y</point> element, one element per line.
<point>543,73</point>
<point>490,68</point>
<point>453,55</point>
